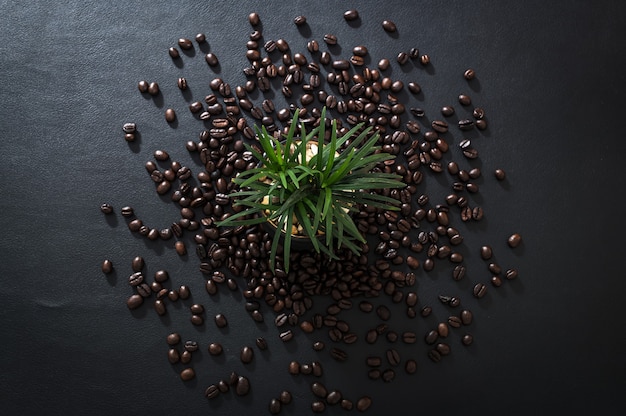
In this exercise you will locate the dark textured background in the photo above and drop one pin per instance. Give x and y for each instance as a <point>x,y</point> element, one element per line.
<point>551,76</point>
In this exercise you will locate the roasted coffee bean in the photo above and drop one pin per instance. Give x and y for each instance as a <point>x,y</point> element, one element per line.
<point>434,355</point>
<point>261,343</point>
<point>180,248</point>
<point>170,115</point>
<point>319,390</point>
<point>410,366</point>
<point>220,320</point>
<point>447,111</point>
<point>299,20</point>
<point>388,375</point>
<point>185,357</point>
<point>351,15</point>
<point>466,317</point>
<point>431,337</point>
<point>511,274</point>
<point>330,39</point>
<point>500,175</point>
<point>409,337</point>
<point>383,312</point>
<point>486,252</point>
<point>211,59</point>
<point>424,59</point>
<point>402,58</point>
<point>514,240</point>
<point>371,336</point>
<point>136,279</point>
<point>443,348</point>
<point>184,292</point>
<point>191,346</point>
<point>393,357</point>
<point>442,329</point>
<point>159,307</point>
<point>467,339</point>
<point>212,391</point>
<point>496,281</point>
<point>391,336</point>
<point>142,86</point>
<point>187,374</point>
<point>338,354</point>
<point>106,208</point>
<point>469,74</point>
<point>246,355</point>
<point>242,387</point>
<point>153,89</point>
<point>415,88</point>
<point>144,290</point>
<point>494,268</point>
<point>389,26</point>
<point>465,99</point>
<point>286,336</point>
<point>426,311</point>
<point>161,276</point>
<point>215,348</point>
<point>285,397</point>
<point>107,266</point>
<point>318,407</point>
<point>454,321</point>
<point>479,290</point>
<point>363,403</point>
<point>173,356</point>
<point>274,407</point>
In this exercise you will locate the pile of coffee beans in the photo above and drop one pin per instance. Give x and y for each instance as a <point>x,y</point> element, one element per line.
<point>402,245</point>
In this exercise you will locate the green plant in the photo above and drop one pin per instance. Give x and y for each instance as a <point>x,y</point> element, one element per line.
<point>315,192</point>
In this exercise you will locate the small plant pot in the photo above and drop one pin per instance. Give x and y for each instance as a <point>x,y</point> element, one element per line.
<point>298,242</point>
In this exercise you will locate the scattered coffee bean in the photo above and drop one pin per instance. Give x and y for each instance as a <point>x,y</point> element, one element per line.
<point>246,355</point>
<point>107,266</point>
<point>187,374</point>
<point>514,240</point>
<point>389,26</point>
<point>363,403</point>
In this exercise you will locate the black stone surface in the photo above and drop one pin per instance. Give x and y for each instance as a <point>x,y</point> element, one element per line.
<point>551,77</point>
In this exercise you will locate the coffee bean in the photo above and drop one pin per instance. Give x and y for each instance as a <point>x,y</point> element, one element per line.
<point>351,15</point>
<point>469,74</point>
<point>185,43</point>
<point>161,276</point>
<point>180,248</point>
<point>511,274</point>
<point>173,356</point>
<point>454,321</point>
<point>363,403</point>
<point>242,387</point>
<point>173,338</point>
<point>409,337</point>
<point>465,99</point>
<point>494,268</point>
<point>496,281</point>
<point>319,390</point>
<point>389,26</point>
<point>211,59</point>
<point>197,309</point>
<point>318,407</point>
<point>486,252</point>
<point>479,290</point>
<point>142,86</point>
<point>383,312</point>
<point>393,357</point>
<point>184,292</point>
<point>254,19</point>
<point>330,39</point>
<point>153,89</point>
<point>426,311</point>
<point>187,374</point>
<point>467,339</point>
<point>170,115</point>
<point>159,307</point>
<point>215,348</point>
<point>410,366</point>
<point>286,335</point>
<point>274,407</point>
<point>434,355</point>
<point>191,346</point>
<point>220,320</point>
<point>107,266</point>
<point>246,355</point>
<point>212,391</point>
<point>338,354</point>
<point>443,348</point>
<point>136,279</point>
<point>514,240</point>
<point>106,209</point>
<point>299,20</point>
<point>185,357</point>
<point>500,175</point>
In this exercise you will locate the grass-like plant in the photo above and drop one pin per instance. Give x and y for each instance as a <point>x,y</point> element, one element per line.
<point>313,193</point>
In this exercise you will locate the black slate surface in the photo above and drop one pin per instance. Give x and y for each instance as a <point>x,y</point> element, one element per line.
<point>550,76</point>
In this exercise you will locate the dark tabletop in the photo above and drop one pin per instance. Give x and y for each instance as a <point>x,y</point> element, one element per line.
<point>551,78</point>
